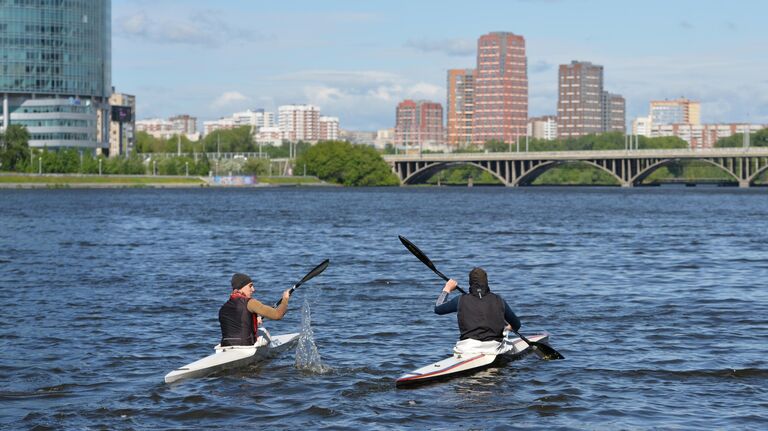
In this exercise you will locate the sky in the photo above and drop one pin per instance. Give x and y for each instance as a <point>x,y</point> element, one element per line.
<point>357,59</point>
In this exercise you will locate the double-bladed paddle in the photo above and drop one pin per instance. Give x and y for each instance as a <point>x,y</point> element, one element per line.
<point>311,274</point>
<point>546,351</point>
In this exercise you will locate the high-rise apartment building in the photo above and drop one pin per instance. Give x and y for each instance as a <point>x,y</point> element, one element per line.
<point>122,124</point>
<point>56,71</point>
<point>501,88</point>
<point>184,123</point>
<point>583,106</point>
<point>678,111</point>
<point>614,115</point>
<point>299,122</point>
<point>256,118</point>
<point>580,96</point>
<point>329,128</point>
<point>460,107</point>
<point>419,125</point>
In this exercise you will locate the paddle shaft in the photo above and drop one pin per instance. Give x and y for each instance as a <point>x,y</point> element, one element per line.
<point>547,351</point>
<point>311,274</point>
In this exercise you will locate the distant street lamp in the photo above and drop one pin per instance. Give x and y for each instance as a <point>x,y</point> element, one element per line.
<point>99,165</point>
<point>39,165</point>
<point>186,168</point>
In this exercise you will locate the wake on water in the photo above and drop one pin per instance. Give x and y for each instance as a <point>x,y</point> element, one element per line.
<point>307,357</point>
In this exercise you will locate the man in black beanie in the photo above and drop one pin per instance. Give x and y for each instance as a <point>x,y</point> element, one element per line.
<point>482,315</point>
<point>240,316</point>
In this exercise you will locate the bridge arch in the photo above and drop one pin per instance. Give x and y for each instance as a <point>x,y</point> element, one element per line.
<point>528,177</point>
<point>644,173</point>
<point>757,173</point>
<point>426,172</point>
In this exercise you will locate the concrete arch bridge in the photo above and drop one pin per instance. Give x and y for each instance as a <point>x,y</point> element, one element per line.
<point>629,168</point>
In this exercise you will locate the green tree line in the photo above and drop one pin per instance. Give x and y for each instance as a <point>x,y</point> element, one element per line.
<point>596,142</point>
<point>757,139</point>
<point>237,140</point>
<point>343,163</point>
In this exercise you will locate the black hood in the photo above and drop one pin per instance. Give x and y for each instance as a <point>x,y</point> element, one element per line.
<point>478,283</point>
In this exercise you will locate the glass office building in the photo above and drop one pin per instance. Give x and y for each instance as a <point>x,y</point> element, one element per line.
<point>55,59</point>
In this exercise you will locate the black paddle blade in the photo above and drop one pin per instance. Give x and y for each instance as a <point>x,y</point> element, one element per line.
<point>316,271</point>
<point>311,274</point>
<point>546,352</point>
<point>421,256</point>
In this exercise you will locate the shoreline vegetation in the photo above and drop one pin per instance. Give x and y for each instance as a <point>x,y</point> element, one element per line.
<point>178,162</point>
<point>53,181</point>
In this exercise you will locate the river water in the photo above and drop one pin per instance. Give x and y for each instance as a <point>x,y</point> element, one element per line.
<point>657,298</point>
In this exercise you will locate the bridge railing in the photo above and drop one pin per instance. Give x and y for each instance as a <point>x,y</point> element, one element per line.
<point>666,153</point>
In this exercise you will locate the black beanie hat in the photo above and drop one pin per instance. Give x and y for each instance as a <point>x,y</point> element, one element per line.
<point>240,280</point>
<point>478,282</point>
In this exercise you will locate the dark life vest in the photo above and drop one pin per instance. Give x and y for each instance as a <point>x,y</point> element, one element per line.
<point>481,318</point>
<point>238,325</point>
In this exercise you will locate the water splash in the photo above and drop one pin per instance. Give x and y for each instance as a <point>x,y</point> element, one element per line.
<point>307,357</point>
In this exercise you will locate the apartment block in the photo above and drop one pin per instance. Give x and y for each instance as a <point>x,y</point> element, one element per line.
<point>460,107</point>
<point>580,99</point>
<point>419,125</point>
<point>329,128</point>
<point>268,136</point>
<point>500,110</point>
<point>544,127</point>
<point>614,115</point>
<point>642,126</point>
<point>700,136</point>
<point>299,122</point>
<point>678,111</point>
<point>122,124</point>
<point>184,123</point>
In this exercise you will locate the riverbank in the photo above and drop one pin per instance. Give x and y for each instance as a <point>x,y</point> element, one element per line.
<point>52,181</point>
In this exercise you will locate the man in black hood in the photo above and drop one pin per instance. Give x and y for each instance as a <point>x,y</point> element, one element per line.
<point>482,315</point>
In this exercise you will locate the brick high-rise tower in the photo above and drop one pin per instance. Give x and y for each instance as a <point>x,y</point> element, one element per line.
<point>460,107</point>
<point>580,99</point>
<point>501,88</point>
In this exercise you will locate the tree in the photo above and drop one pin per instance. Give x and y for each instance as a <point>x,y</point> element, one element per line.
<point>757,139</point>
<point>344,163</point>
<point>14,148</point>
<point>254,166</point>
<point>495,146</point>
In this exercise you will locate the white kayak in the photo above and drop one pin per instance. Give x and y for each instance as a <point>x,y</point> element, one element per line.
<point>511,348</point>
<point>235,356</point>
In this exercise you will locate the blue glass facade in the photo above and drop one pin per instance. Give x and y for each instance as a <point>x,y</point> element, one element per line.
<point>55,69</point>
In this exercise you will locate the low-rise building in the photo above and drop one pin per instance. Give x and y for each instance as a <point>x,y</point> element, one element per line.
<point>544,127</point>
<point>268,136</point>
<point>700,136</point>
<point>183,124</point>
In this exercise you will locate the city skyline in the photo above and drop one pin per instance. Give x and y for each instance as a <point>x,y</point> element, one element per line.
<point>358,60</point>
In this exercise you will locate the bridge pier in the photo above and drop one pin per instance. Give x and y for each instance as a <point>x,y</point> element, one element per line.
<point>627,184</point>
<point>743,184</point>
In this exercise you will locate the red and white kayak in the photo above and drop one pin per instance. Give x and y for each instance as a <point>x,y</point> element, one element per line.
<point>235,356</point>
<point>511,348</point>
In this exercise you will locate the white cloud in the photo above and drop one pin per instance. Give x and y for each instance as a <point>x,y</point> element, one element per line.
<point>206,28</point>
<point>228,99</point>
